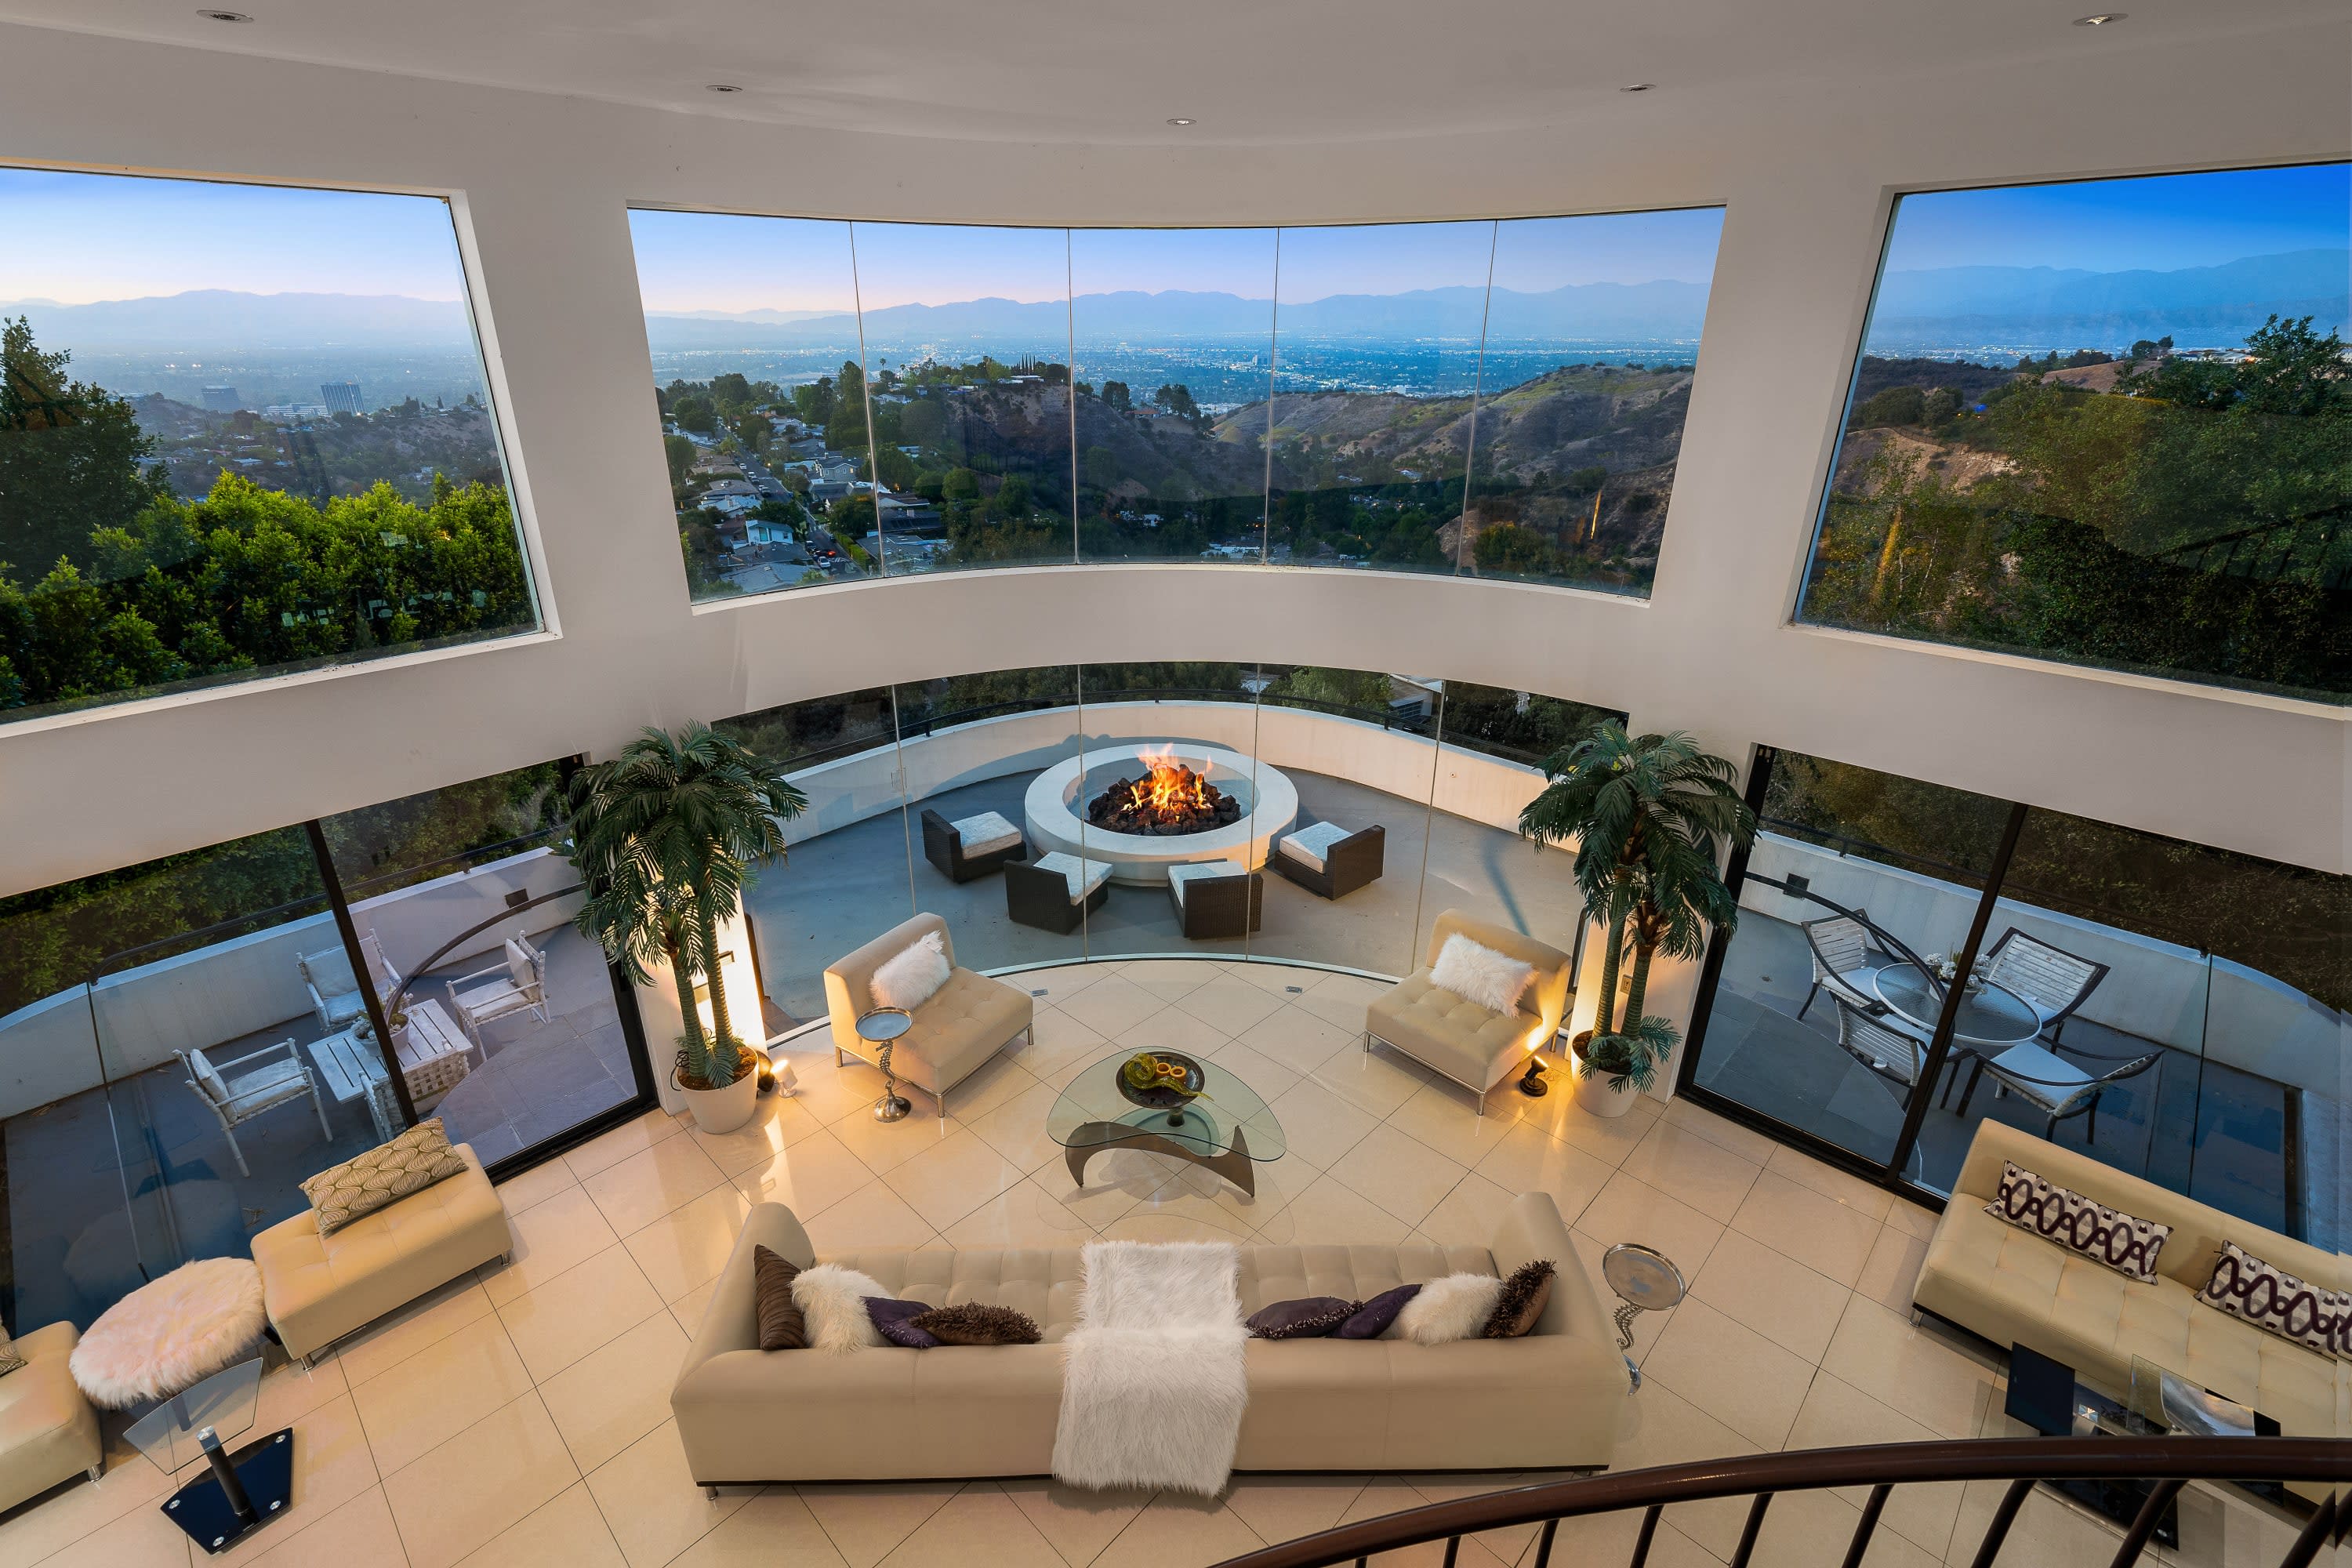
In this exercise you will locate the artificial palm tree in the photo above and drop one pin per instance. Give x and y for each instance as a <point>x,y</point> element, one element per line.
<point>664,835</point>
<point>1648,815</point>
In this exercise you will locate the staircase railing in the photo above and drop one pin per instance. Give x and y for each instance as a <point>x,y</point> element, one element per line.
<point>2169,1463</point>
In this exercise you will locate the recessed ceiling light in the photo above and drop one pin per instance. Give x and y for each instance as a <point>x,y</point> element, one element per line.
<point>1637,86</point>
<point>224,16</point>
<point>723,86</point>
<point>1180,120</point>
<point>2100,19</point>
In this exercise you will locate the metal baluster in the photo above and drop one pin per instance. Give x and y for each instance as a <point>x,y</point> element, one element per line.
<point>1641,1542</point>
<point>1543,1547</point>
<point>2306,1550</point>
<point>1452,1549</point>
<point>1869,1525</point>
<point>1755,1525</point>
<point>2002,1518</point>
<point>2144,1526</point>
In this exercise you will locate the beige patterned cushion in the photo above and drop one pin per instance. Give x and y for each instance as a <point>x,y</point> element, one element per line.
<point>11,1358</point>
<point>383,1176</point>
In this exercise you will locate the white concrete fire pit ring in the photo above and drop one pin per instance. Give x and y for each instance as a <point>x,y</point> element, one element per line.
<point>1058,798</point>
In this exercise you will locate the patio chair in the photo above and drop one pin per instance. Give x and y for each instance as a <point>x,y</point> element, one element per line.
<point>1893,1056</point>
<point>2049,980</point>
<point>515,984</point>
<point>242,1088</point>
<point>2053,1085</point>
<point>1844,948</point>
<point>1054,894</point>
<point>334,994</point>
<point>971,847</point>
<point>1329,861</point>
<point>1216,899</point>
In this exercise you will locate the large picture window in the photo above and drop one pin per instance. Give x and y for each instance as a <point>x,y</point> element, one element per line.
<point>265,446</point>
<point>1488,399</point>
<point>2109,423</point>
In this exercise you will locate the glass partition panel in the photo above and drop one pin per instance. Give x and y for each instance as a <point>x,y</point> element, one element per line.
<point>968,350</point>
<point>752,325</point>
<point>142,1007</point>
<point>1172,348</point>
<point>1860,889</point>
<point>845,878</point>
<point>2103,422</point>
<point>1591,343</point>
<point>505,1018</point>
<point>263,445</point>
<point>1376,369</point>
<point>2187,1020</point>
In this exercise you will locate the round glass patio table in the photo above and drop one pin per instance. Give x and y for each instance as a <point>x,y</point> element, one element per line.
<point>1224,1126</point>
<point>1992,1015</point>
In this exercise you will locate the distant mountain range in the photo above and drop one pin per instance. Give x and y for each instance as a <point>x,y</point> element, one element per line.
<point>1953,307</point>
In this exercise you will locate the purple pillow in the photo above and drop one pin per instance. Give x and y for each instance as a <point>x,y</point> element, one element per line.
<point>1310,1318</point>
<point>890,1322</point>
<point>1376,1314</point>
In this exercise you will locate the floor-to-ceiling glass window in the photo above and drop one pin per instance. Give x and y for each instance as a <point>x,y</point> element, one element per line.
<point>245,430</point>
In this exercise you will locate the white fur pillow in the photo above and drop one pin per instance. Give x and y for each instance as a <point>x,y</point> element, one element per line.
<point>1453,1308</point>
<point>1494,980</point>
<point>910,977</point>
<point>832,1300</point>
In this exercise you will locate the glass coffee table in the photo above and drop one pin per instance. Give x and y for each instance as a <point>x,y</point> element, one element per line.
<point>1191,1108</point>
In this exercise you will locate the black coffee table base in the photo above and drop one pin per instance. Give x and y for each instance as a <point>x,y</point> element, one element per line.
<point>1095,1137</point>
<point>2045,1394</point>
<point>262,1476</point>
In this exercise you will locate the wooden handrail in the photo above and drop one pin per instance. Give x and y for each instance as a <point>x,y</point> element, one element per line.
<point>2020,1460</point>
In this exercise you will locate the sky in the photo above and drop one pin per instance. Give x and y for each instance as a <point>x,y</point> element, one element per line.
<point>2161,222</point>
<point>119,236</point>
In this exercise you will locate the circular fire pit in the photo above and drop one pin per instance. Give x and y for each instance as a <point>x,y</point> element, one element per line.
<point>1202,802</point>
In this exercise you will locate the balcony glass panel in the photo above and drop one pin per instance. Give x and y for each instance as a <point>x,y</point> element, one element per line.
<point>2104,422</point>
<point>266,445</point>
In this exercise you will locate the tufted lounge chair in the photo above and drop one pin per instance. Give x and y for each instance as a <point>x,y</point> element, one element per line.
<point>970,1019</point>
<point>1475,1047</point>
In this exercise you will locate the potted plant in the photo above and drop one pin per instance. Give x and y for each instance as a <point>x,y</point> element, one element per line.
<point>663,836</point>
<point>1648,815</point>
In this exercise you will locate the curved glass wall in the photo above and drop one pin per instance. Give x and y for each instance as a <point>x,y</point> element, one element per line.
<point>264,445</point>
<point>2106,423</point>
<point>955,397</point>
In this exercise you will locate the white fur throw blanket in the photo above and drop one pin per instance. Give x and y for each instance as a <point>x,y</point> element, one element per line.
<point>1153,1379</point>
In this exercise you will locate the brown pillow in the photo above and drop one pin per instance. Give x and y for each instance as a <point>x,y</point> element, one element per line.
<point>383,1176</point>
<point>978,1323</point>
<point>1524,1296</point>
<point>782,1327</point>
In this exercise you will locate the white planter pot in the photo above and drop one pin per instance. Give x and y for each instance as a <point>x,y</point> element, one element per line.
<point>722,1109</point>
<point>1593,1093</point>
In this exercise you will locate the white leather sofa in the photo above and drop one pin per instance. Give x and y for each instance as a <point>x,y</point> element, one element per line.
<point>2012,1287</point>
<point>1475,1047</point>
<point>1550,1401</point>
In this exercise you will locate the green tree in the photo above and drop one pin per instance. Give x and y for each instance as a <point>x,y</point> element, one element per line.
<point>679,451</point>
<point>71,459</point>
<point>1117,397</point>
<point>1516,549</point>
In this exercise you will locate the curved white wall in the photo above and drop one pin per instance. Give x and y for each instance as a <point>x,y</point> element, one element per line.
<point>542,183</point>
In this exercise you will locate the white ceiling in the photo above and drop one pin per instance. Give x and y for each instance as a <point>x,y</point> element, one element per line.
<point>1250,71</point>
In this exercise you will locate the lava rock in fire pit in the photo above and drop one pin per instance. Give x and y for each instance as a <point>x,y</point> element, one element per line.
<point>1166,802</point>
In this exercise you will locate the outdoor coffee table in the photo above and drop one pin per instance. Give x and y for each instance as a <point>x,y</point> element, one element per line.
<point>1217,1122</point>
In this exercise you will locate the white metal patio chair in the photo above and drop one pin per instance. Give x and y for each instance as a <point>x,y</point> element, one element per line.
<point>334,992</point>
<point>518,984</point>
<point>2053,1085</point>
<point>2049,980</point>
<point>1845,954</point>
<point>242,1088</point>
<point>1893,1055</point>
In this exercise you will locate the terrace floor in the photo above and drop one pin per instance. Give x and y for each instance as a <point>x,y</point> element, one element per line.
<point>836,891</point>
<point>2217,1133</point>
<point>521,1415</point>
<point>110,1187</point>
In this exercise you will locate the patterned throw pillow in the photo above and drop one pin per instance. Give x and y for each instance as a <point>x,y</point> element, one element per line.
<point>781,1325</point>
<point>2245,1287</point>
<point>978,1323</point>
<point>2123,1244</point>
<point>383,1176</point>
<point>1524,1295</point>
<point>895,1322</point>
<point>11,1358</point>
<point>1308,1318</point>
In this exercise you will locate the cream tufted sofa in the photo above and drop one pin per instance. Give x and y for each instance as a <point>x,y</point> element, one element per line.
<point>1549,1400</point>
<point>48,1432</point>
<point>968,1020</point>
<point>1475,1047</point>
<point>2014,1287</point>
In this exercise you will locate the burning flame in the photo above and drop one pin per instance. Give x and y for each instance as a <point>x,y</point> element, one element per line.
<point>1169,786</point>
